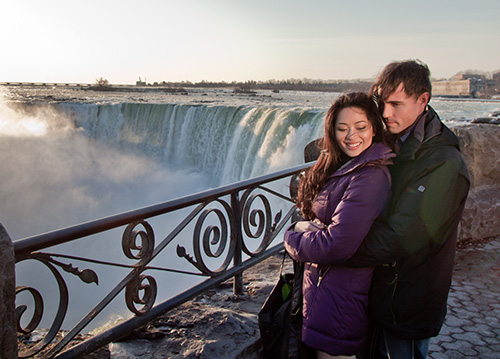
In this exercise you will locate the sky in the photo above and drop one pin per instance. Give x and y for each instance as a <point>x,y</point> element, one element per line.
<point>235,40</point>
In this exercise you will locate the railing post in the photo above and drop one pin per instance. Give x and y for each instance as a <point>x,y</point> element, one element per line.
<point>8,335</point>
<point>236,236</point>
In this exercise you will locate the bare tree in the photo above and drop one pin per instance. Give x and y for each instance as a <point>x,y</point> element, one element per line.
<point>101,82</point>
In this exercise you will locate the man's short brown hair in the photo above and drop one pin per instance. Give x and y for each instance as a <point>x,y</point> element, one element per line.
<point>414,75</point>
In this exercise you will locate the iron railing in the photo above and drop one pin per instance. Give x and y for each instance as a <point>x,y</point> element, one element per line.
<point>242,212</point>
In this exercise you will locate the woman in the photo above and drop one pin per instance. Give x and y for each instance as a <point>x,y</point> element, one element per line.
<point>340,197</point>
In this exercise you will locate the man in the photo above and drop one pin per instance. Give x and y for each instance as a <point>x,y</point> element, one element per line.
<point>413,245</point>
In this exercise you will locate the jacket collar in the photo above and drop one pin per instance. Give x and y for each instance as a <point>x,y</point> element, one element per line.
<point>427,126</point>
<point>376,153</point>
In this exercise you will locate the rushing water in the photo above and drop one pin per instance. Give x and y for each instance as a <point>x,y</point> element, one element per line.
<point>70,155</point>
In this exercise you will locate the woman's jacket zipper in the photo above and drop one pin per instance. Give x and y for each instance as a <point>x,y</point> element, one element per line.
<point>321,276</point>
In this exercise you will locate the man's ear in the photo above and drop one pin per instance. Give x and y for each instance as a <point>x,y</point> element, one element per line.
<point>423,99</point>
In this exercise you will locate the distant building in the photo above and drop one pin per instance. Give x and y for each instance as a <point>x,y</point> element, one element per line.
<point>470,87</point>
<point>496,76</point>
<point>460,76</point>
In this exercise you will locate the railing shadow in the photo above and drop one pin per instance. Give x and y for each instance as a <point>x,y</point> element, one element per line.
<point>233,228</point>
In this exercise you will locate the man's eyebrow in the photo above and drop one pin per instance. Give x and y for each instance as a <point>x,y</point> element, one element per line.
<point>394,101</point>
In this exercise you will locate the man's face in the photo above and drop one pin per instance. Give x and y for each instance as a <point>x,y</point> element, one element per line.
<point>401,110</point>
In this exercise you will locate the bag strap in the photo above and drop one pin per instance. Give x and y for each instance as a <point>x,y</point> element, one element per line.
<point>298,273</point>
<point>283,262</point>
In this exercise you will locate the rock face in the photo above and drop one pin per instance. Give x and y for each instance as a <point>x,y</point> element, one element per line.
<point>481,217</point>
<point>480,145</point>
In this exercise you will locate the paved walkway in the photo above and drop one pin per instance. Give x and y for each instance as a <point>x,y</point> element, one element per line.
<point>472,326</point>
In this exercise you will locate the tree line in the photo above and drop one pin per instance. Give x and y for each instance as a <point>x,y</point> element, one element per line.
<point>276,85</point>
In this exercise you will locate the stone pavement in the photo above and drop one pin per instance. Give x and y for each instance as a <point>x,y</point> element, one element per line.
<point>472,325</point>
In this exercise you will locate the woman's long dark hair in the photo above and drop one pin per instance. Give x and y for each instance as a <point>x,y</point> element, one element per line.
<point>332,157</point>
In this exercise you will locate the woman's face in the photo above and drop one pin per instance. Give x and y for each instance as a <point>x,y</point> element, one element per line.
<point>353,131</point>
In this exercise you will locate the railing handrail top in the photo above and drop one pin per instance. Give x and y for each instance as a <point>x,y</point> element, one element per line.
<point>67,234</point>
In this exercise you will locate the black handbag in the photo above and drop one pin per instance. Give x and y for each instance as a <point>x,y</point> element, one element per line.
<point>280,318</point>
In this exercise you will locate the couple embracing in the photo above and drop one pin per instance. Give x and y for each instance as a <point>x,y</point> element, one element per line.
<point>381,208</point>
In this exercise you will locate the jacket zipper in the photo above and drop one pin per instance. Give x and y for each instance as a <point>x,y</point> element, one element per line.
<point>394,283</point>
<point>321,276</point>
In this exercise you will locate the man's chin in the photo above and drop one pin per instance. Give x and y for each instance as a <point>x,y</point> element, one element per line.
<point>392,127</point>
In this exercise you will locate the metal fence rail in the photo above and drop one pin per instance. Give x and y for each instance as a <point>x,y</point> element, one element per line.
<point>241,211</point>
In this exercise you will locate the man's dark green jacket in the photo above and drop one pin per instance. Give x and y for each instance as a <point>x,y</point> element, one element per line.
<point>413,245</point>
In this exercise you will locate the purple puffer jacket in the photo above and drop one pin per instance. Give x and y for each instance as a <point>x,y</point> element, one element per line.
<point>336,297</point>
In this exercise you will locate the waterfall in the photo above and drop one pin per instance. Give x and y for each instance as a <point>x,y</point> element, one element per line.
<point>66,163</point>
<point>226,143</point>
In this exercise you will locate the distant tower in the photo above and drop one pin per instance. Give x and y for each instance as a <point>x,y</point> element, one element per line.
<point>140,83</point>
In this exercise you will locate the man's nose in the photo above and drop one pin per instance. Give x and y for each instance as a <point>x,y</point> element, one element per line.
<point>387,112</point>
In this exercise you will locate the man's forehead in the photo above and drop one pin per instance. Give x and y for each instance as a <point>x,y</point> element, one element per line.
<point>398,94</point>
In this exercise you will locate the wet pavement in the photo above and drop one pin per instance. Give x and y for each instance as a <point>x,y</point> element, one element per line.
<point>472,325</point>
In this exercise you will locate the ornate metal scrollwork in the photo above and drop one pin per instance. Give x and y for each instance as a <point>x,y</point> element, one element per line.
<point>142,251</point>
<point>133,291</point>
<point>86,275</point>
<point>259,218</point>
<point>37,312</point>
<point>39,306</point>
<point>213,237</point>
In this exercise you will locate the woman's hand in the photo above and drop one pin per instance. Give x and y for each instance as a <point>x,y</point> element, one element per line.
<point>308,226</point>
